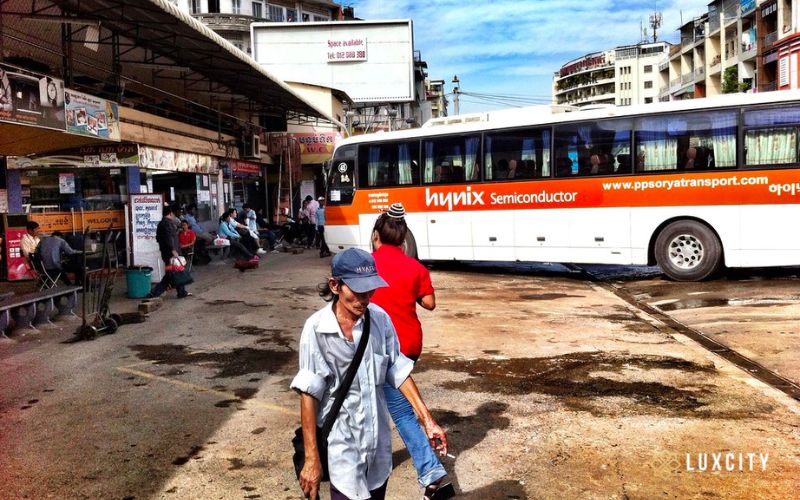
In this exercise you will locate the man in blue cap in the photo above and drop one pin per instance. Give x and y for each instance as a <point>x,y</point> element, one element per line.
<point>360,441</point>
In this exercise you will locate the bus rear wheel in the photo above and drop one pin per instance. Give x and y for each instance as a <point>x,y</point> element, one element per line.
<point>688,250</point>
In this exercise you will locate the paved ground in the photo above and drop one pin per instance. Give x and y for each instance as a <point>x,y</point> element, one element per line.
<point>550,386</point>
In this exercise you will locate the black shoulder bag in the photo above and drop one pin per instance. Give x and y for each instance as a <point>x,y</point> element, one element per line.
<point>299,457</point>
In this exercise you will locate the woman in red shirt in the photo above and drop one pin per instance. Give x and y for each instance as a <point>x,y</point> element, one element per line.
<point>186,237</point>
<point>409,285</point>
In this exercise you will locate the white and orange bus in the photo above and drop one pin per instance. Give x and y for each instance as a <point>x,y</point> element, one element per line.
<point>690,185</point>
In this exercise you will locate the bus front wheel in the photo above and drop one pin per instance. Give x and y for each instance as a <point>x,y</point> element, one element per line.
<point>410,245</point>
<point>688,250</point>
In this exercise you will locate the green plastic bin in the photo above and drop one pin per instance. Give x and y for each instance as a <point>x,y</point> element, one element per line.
<point>138,281</point>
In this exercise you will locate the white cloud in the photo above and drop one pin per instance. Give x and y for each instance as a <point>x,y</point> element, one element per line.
<point>518,44</point>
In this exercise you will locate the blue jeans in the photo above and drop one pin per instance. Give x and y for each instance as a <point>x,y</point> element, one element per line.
<point>429,469</point>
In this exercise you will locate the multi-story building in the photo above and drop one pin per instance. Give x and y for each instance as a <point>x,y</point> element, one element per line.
<point>586,80</point>
<point>231,19</point>
<point>779,23</point>
<point>636,71</point>
<point>623,76</point>
<point>736,46</point>
<point>435,95</point>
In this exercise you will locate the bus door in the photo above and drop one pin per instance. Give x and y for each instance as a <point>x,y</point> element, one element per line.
<point>540,234</point>
<point>601,235</point>
<point>450,235</point>
<point>449,167</point>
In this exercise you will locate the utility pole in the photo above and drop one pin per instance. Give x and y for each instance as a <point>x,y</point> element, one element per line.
<point>456,91</point>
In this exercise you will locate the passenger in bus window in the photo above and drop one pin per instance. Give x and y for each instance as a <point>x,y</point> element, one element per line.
<point>457,174</point>
<point>691,157</point>
<point>599,163</point>
<point>563,167</point>
<point>512,169</point>
<point>442,172</point>
<point>502,169</point>
<point>640,161</point>
<point>623,163</point>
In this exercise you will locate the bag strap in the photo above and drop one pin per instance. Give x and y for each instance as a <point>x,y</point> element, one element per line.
<point>344,388</point>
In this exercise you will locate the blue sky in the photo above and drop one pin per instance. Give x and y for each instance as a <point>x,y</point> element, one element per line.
<point>512,47</point>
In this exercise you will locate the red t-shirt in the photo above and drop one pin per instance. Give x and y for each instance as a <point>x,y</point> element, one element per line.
<point>408,280</point>
<point>187,237</point>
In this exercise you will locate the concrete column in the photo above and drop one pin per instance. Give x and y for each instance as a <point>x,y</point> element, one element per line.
<point>14,190</point>
<point>220,193</point>
<point>134,180</point>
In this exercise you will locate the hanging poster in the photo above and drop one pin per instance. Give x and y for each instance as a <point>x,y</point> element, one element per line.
<point>103,156</point>
<point>176,161</point>
<point>30,99</point>
<point>66,183</point>
<point>146,211</point>
<point>91,116</point>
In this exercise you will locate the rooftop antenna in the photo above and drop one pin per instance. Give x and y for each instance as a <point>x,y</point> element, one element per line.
<point>655,23</point>
<point>643,31</point>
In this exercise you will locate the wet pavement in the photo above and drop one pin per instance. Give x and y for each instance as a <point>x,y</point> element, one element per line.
<point>550,385</point>
<point>754,312</point>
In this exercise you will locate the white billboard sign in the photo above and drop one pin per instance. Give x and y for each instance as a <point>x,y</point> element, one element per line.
<point>348,49</point>
<point>372,61</point>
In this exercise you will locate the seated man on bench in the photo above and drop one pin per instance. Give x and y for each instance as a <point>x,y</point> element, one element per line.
<point>57,257</point>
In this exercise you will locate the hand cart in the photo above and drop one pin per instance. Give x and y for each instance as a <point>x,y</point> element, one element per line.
<point>98,284</point>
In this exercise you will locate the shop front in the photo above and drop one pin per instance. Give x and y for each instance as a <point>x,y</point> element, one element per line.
<point>302,156</point>
<point>86,189</point>
<point>244,184</point>
<point>181,177</point>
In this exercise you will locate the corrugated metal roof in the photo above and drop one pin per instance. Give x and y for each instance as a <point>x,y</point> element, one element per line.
<point>160,26</point>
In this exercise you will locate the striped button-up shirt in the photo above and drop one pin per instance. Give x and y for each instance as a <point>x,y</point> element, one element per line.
<point>360,443</point>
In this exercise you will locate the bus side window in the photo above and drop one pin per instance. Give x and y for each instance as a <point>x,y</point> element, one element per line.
<point>688,141</point>
<point>771,146</point>
<point>519,154</point>
<point>450,159</point>
<point>771,138</point>
<point>388,164</point>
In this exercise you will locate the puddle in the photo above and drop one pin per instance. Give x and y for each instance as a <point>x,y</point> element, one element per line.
<point>547,296</point>
<point>620,317</point>
<point>226,403</point>
<point>235,363</point>
<point>245,392</point>
<point>298,290</point>
<point>250,330</point>
<point>720,302</point>
<point>276,336</point>
<point>577,378</point>
<point>224,303</point>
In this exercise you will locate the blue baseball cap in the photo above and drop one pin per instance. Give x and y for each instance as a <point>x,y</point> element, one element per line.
<point>357,269</point>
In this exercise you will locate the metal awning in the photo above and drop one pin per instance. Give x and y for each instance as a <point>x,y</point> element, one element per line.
<point>167,32</point>
<point>18,140</point>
